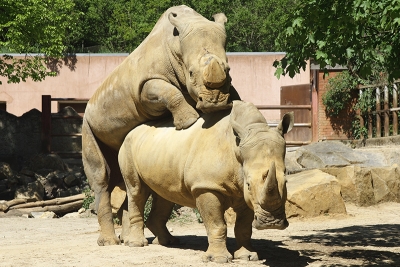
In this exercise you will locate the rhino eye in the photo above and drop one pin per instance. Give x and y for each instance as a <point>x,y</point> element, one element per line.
<point>248,186</point>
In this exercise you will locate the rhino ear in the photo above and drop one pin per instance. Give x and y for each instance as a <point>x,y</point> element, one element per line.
<point>220,18</point>
<point>286,124</point>
<point>179,25</point>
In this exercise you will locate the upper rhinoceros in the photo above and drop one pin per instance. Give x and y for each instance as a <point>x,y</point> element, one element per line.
<point>181,61</point>
<point>224,160</point>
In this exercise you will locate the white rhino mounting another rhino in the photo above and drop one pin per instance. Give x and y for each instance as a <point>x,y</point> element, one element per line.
<point>223,160</point>
<point>182,63</point>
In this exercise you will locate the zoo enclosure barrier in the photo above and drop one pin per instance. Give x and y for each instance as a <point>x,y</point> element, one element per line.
<point>48,119</point>
<point>386,110</point>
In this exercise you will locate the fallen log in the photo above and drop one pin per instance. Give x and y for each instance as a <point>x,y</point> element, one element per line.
<point>5,206</point>
<point>43,203</point>
<point>60,209</point>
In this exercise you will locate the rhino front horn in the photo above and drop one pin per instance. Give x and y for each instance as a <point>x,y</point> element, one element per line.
<point>214,75</point>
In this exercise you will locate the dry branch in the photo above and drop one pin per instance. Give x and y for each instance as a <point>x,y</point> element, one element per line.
<point>56,201</point>
<point>64,208</point>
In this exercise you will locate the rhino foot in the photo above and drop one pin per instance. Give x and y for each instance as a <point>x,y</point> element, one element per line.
<point>217,257</point>
<point>171,241</point>
<point>108,241</point>
<point>185,118</point>
<point>245,254</point>
<point>136,242</point>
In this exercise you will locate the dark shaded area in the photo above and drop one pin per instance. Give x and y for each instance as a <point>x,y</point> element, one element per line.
<point>380,236</point>
<point>270,252</point>
<point>69,61</point>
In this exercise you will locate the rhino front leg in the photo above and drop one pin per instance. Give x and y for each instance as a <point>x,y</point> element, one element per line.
<point>96,171</point>
<point>160,212</point>
<point>158,95</point>
<point>243,231</point>
<point>137,195</point>
<point>210,205</point>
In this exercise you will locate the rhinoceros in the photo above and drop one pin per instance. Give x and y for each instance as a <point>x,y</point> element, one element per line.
<point>181,64</point>
<point>223,160</point>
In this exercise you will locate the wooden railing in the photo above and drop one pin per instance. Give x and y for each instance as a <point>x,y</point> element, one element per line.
<point>304,124</point>
<point>382,120</point>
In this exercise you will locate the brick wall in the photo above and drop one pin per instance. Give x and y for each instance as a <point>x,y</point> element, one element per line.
<point>333,128</point>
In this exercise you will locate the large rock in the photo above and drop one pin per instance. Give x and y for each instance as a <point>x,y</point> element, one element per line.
<point>326,154</point>
<point>336,154</point>
<point>312,193</point>
<point>366,186</point>
<point>34,191</point>
<point>5,171</point>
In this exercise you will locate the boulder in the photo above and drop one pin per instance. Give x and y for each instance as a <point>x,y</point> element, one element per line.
<point>70,180</point>
<point>5,171</point>
<point>312,193</point>
<point>367,186</point>
<point>327,154</point>
<point>33,191</point>
<point>43,214</point>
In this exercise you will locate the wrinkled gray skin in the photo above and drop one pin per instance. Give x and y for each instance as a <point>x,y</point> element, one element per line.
<point>181,65</point>
<point>223,160</point>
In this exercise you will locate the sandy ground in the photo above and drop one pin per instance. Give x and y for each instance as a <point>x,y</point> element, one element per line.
<point>365,237</point>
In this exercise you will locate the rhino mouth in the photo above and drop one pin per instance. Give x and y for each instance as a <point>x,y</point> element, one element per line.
<point>213,100</point>
<point>266,220</point>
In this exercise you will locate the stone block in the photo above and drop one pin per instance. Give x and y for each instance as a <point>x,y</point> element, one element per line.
<point>312,193</point>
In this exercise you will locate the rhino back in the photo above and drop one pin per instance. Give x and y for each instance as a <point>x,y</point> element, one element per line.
<point>116,106</point>
<point>177,163</point>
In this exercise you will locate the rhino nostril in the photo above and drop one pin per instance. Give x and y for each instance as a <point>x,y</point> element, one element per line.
<point>200,99</point>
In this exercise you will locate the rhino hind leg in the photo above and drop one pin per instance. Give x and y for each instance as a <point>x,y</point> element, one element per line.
<point>160,212</point>
<point>97,171</point>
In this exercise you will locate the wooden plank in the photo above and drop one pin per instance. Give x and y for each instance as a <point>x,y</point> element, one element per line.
<point>394,112</point>
<point>378,116</point>
<point>386,108</point>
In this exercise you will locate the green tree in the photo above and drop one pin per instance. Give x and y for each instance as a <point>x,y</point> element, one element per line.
<point>362,35</point>
<point>34,26</point>
<point>121,25</point>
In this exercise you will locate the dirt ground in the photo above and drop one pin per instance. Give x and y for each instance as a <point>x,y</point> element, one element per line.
<point>365,237</point>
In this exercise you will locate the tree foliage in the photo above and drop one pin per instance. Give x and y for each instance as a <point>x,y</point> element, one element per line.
<point>359,34</point>
<point>34,26</point>
<point>121,25</point>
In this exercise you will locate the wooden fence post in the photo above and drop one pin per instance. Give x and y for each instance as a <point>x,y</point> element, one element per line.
<point>394,112</point>
<point>46,123</point>
<point>386,110</point>
<point>378,115</point>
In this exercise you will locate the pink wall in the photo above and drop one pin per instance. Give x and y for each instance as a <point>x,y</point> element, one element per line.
<point>252,74</point>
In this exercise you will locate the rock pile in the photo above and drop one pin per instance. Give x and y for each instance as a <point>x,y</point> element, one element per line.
<point>45,183</point>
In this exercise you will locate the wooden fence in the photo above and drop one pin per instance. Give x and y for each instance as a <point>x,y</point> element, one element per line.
<point>381,120</point>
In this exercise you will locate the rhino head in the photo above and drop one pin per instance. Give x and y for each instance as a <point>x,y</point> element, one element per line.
<point>202,47</point>
<point>261,151</point>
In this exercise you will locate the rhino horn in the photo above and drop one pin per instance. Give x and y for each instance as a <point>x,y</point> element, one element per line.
<point>270,192</point>
<point>214,75</point>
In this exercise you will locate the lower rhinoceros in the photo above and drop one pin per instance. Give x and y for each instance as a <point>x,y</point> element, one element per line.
<point>224,160</point>
<point>181,64</point>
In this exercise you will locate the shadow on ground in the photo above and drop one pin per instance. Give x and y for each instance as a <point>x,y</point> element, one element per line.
<point>368,244</point>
